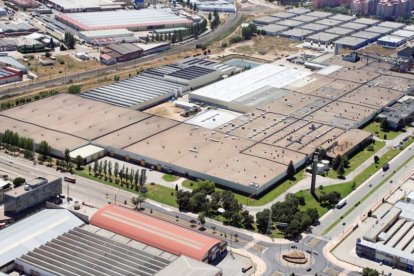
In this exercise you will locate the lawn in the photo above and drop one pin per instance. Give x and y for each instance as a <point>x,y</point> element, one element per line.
<point>346,188</point>
<point>375,128</point>
<point>155,192</point>
<point>170,177</point>
<point>358,159</point>
<point>268,197</point>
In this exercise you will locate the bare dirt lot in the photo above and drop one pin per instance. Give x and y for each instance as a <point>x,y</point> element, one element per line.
<point>264,47</point>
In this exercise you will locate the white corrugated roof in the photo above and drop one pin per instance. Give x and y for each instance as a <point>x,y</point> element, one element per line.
<point>34,231</point>
<point>86,151</point>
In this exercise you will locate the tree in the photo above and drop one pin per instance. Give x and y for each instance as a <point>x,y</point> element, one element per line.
<point>376,158</point>
<point>262,220</point>
<point>69,40</point>
<point>79,162</point>
<point>51,43</point>
<point>89,169</point>
<point>345,160</point>
<point>43,148</point>
<point>248,219</point>
<point>137,201</point>
<point>313,214</point>
<point>110,169</point>
<point>18,181</point>
<point>74,89</point>
<point>95,168</point>
<point>209,16</point>
<point>202,219</point>
<point>401,124</point>
<point>291,170</point>
<point>369,272</point>
<point>341,170</point>
<point>105,167</point>
<point>100,168</point>
<point>67,155</point>
<point>293,229</point>
<point>116,169</point>
<point>136,179</point>
<point>336,162</point>
<point>384,124</point>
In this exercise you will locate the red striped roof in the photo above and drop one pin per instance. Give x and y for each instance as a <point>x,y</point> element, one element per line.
<point>154,232</point>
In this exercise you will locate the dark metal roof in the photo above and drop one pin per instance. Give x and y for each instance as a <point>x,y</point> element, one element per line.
<point>191,72</point>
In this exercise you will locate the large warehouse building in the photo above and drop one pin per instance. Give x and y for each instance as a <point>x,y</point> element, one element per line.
<point>56,242</point>
<point>282,114</point>
<point>133,20</point>
<point>161,234</point>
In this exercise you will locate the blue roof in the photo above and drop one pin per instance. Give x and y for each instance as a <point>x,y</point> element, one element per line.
<point>34,231</point>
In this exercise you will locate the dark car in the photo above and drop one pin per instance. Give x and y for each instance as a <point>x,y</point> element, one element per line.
<point>385,167</point>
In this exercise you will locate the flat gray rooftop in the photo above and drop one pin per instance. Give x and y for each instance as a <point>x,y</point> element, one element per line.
<point>323,37</point>
<point>339,31</point>
<point>80,252</point>
<point>354,26</point>
<point>314,27</point>
<point>351,41</point>
<point>367,35</point>
<point>342,17</point>
<point>320,14</point>
<point>283,15</point>
<point>380,30</point>
<point>391,25</point>
<point>305,18</point>
<point>366,21</point>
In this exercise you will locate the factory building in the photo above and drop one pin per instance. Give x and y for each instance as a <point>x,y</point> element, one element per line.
<point>305,18</point>
<point>297,34</point>
<point>56,242</point>
<point>401,110</point>
<point>266,20</point>
<point>322,38</point>
<point>9,75</point>
<point>290,23</point>
<point>106,37</point>
<point>314,27</point>
<point>381,30</point>
<point>133,20</point>
<point>320,14</point>
<point>367,21</point>
<point>391,240</point>
<point>16,28</point>
<point>84,5</point>
<point>408,35</point>
<point>283,15</point>
<point>392,25</point>
<point>390,41</point>
<point>371,37</point>
<point>114,53</point>
<point>354,26</point>
<point>353,43</point>
<point>329,22</point>
<point>158,233</point>
<point>342,17</point>
<point>160,84</point>
<point>339,31</point>
<point>33,192</point>
<point>273,29</point>
<point>299,10</point>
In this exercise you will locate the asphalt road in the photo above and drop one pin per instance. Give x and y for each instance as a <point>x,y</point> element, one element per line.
<point>362,190</point>
<point>230,23</point>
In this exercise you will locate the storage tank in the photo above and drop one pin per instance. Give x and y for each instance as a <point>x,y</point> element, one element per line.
<point>320,168</point>
<point>326,164</point>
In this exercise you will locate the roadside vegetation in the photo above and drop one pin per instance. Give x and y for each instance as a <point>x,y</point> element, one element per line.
<point>382,131</point>
<point>355,161</point>
<point>344,189</point>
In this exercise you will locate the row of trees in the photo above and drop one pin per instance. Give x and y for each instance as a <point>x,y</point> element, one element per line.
<point>287,217</point>
<point>205,199</point>
<point>214,20</point>
<point>14,141</point>
<point>27,99</point>
<point>124,176</point>
<point>178,36</point>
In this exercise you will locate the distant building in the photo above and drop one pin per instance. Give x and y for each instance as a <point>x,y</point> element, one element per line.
<point>34,192</point>
<point>320,4</point>
<point>114,53</point>
<point>399,111</point>
<point>25,3</point>
<point>9,75</point>
<point>382,8</point>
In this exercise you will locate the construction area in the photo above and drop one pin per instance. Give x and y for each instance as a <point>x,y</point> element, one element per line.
<point>324,28</point>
